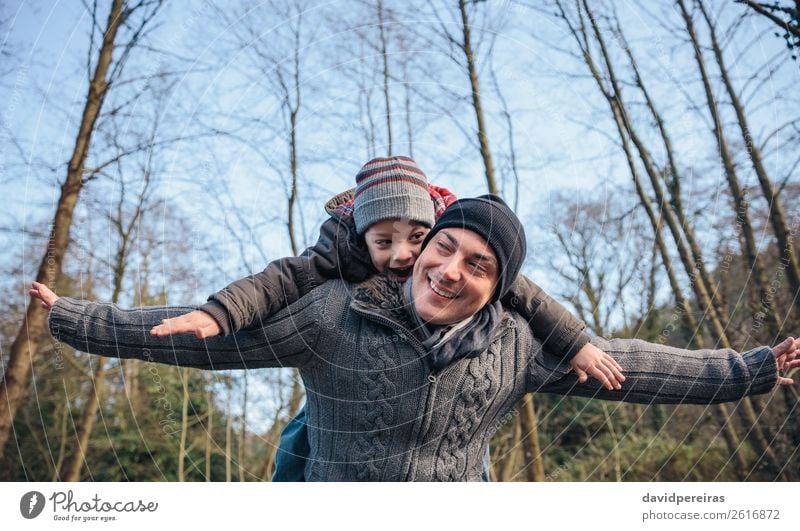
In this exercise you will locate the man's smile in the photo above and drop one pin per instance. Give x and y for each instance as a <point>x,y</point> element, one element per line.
<point>442,292</point>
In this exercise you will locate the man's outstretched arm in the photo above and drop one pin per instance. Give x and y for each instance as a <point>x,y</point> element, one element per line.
<point>286,340</point>
<point>659,374</point>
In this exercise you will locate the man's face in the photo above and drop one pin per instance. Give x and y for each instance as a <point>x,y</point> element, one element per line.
<point>394,245</point>
<point>454,277</point>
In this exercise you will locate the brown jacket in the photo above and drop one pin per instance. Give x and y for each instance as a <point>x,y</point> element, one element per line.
<point>340,253</point>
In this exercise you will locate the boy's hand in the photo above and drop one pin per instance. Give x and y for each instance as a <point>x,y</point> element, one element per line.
<point>197,322</point>
<point>591,361</point>
<point>786,355</point>
<point>44,294</point>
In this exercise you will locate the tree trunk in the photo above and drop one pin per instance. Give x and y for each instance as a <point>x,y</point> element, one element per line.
<point>63,442</point>
<point>385,57</point>
<point>293,192</point>
<point>209,433</point>
<point>272,439</point>
<point>34,325</point>
<point>609,422</point>
<point>509,463</point>
<point>273,435</point>
<point>184,424</point>
<point>409,128</point>
<point>483,137</point>
<point>228,435</point>
<point>294,111</point>
<point>749,251</point>
<point>680,300</point>
<point>72,468</point>
<point>788,260</point>
<point>297,395</point>
<point>534,468</point>
<point>243,433</point>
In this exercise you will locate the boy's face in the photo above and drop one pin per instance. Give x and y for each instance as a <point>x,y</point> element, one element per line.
<point>454,277</point>
<point>394,245</point>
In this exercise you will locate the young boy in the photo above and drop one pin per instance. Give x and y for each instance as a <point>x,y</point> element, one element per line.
<point>378,228</point>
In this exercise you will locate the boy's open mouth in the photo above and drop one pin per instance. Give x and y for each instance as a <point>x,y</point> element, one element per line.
<point>400,274</point>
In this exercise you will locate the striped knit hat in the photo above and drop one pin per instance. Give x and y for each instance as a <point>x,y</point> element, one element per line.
<point>391,187</point>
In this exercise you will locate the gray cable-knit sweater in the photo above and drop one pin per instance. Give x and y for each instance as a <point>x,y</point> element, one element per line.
<point>375,409</point>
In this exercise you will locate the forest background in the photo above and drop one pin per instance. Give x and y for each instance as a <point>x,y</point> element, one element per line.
<point>154,151</point>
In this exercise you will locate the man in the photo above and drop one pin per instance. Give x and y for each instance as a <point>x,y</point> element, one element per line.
<point>405,381</point>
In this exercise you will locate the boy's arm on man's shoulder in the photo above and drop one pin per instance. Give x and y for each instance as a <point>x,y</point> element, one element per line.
<point>659,374</point>
<point>107,330</point>
<point>561,331</point>
<point>338,253</point>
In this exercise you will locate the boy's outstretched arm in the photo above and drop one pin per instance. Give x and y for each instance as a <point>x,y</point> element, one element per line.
<point>562,333</point>
<point>338,253</point>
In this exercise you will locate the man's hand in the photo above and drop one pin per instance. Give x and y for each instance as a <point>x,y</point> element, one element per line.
<point>591,361</point>
<point>786,355</point>
<point>197,322</point>
<point>44,294</point>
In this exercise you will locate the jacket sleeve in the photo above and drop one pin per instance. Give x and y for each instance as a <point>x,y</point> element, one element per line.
<point>286,340</point>
<point>560,331</point>
<point>658,374</point>
<point>338,253</point>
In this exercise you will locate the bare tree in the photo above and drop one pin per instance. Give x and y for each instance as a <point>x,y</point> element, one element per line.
<point>243,432</point>
<point>209,439</point>
<point>229,432</point>
<point>741,204</point>
<point>105,73</point>
<point>185,373</point>
<point>786,17</point>
<point>465,44</point>
<point>383,30</point>
<point>673,179</point>
<point>613,96</point>
<point>758,434</point>
<point>362,78</point>
<point>776,211</point>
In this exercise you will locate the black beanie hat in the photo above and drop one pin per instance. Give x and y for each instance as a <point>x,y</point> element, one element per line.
<point>490,217</point>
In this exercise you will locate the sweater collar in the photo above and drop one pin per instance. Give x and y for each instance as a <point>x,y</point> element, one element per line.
<point>384,298</point>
